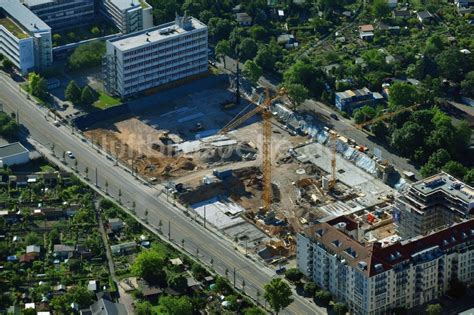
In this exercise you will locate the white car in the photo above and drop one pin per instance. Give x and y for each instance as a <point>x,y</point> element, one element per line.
<point>69,153</point>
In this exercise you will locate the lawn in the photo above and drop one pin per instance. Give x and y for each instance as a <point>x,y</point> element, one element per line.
<point>106,101</point>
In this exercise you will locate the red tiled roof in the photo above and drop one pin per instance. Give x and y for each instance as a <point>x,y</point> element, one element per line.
<point>366,28</point>
<point>447,238</point>
<point>27,258</point>
<point>373,254</point>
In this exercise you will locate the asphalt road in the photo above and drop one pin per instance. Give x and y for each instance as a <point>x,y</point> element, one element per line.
<point>207,246</point>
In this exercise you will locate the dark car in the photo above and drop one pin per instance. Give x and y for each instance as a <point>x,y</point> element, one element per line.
<point>280,271</point>
<point>334,116</point>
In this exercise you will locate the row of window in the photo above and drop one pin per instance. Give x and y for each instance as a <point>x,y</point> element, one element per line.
<point>165,79</point>
<point>176,41</point>
<point>168,58</point>
<point>164,71</point>
<point>164,50</point>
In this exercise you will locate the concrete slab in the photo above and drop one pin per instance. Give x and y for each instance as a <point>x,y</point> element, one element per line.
<point>221,214</point>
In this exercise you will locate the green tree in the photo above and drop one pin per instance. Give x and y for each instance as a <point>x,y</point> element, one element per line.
<point>451,64</point>
<point>252,71</point>
<point>8,127</point>
<point>205,16</point>
<point>57,39</point>
<point>254,311</point>
<point>219,28</point>
<point>72,36</point>
<point>87,55</point>
<point>87,96</point>
<point>293,274</point>
<point>176,306</point>
<point>380,9</point>
<point>32,239</point>
<point>469,177</point>
<point>375,60</point>
<point>380,130</point>
<point>323,296</point>
<point>223,49</point>
<point>265,58</point>
<point>221,285</point>
<point>462,137</point>
<point>408,138</point>
<point>364,114</point>
<point>306,74</point>
<point>7,65</point>
<point>455,169</point>
<point>340,308</point>
<point>402,95</point>
<point>149,266</point>
<point>310,288</point>
<point>434,45</point>
<point>73,92</point>
<point>60,304</point>
<point>95,31</point>
<point>163,10</point>
<point>28,311</point>
<point>278,294</point>
<point>247,49</point>
<point>177,281</point>
<point>434,309</point>
<point>198,271</point>
<point>297,93</point>
<point>37,86</point>
<point>143,308</point>
<point>81,296</point>
<point>258,32</point>
<point>467,85</point>
<point>435,162</point>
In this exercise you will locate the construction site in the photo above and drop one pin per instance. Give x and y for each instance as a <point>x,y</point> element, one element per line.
<point>251,168</point>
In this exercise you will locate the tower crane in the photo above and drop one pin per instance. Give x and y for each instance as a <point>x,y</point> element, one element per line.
<point>264,109</point>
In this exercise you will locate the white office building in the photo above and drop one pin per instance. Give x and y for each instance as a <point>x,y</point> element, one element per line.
<point>163,54</point>
<point>374,278</point>
<point>128,15</point>
<point>24,38</point>
<point>63,14</point>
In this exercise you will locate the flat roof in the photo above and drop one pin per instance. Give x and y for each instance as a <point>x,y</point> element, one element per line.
<point>12,149</point>
<point>22,15</point>
<point>32,3</point>
<point>446,183</point>
<point>126,4</point>
<point>153,35</point>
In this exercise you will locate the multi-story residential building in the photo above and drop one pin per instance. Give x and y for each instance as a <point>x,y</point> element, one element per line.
<point>431,203</point>
<point>62,14</point>
<point>128,15</point>
<point>24,38</point>
<point>157,56</point>
<point>372,278</point>
<point>349,100</point>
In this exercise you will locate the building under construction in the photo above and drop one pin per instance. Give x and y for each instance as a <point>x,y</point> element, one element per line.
<point>431,203</point>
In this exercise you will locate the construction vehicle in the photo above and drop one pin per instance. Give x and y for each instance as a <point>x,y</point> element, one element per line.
<point>263,107</point>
